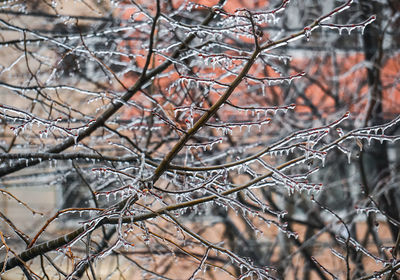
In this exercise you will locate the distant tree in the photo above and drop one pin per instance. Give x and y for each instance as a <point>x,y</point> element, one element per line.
<point>212,139</point>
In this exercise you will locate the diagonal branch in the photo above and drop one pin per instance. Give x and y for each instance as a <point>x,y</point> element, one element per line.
<point>110,111</point>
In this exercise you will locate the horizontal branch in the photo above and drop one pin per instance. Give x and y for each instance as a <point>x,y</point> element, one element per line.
<point>64,240</point>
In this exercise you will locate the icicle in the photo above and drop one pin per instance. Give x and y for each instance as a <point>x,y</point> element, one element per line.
<point>307,33</point>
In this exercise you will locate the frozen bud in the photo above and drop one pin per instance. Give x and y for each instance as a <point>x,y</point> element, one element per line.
<point>258,31</point>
